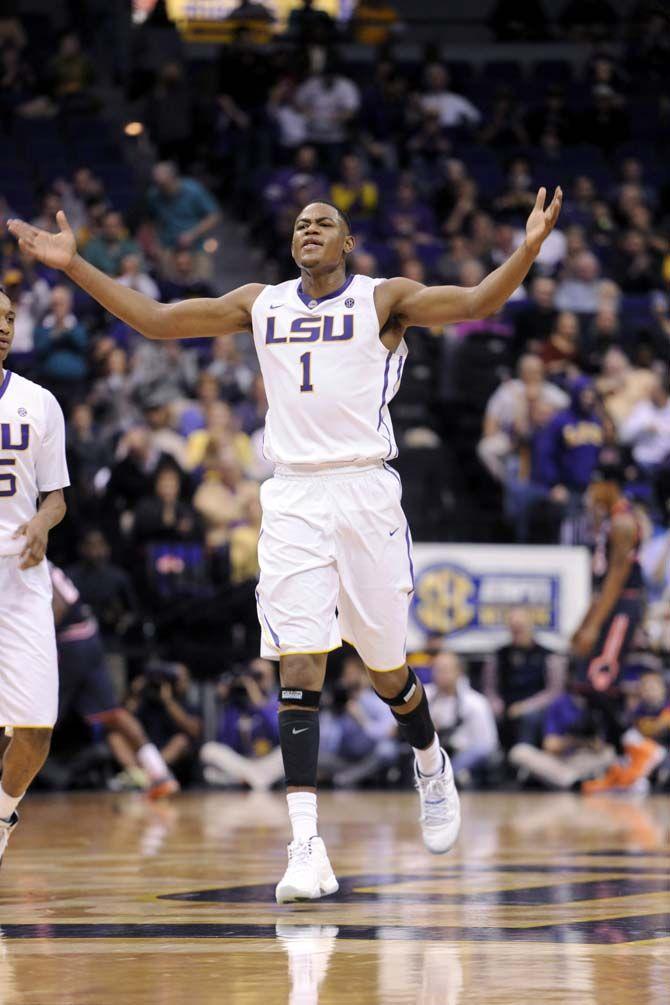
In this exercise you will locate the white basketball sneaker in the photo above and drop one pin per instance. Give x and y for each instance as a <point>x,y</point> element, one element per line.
<point>440,808</point>
<point>309,874</point>
<point>6,828</point>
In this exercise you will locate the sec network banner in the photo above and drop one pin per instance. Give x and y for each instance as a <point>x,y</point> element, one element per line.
<point>465,592</point>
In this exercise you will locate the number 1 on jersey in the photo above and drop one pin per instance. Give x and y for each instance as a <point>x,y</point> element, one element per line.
<point>306,360</point>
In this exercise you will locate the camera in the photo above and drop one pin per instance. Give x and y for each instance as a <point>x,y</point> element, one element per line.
<point>235,680</point>
<point>157,674</point>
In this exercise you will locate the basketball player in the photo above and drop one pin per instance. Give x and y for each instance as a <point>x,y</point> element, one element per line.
<point>32,468</point>
<point>334,536</point>
<point>604,637</point>
<point>86,685</point>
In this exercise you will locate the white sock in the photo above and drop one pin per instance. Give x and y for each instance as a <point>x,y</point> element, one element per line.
<point>149,757</point>
<point>8,804</point>
<point>430,759</point>
<point>302,813</point>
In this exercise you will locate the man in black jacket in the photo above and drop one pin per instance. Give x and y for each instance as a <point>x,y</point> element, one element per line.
<point>521,679</point>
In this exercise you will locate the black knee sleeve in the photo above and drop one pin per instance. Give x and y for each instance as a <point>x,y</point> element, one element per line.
<point>299,741</point>
<point>416,727</point>
<point>407,692</point>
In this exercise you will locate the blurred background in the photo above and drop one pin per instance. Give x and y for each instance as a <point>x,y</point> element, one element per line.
<point>182,139</point>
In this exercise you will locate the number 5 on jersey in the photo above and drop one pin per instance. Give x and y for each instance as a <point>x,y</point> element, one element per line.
<point>306,363</point>
<point>7,479</point>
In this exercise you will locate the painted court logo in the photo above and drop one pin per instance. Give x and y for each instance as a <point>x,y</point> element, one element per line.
<point>551,885</point>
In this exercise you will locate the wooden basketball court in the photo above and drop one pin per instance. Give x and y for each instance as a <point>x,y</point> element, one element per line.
<point>547,898</point>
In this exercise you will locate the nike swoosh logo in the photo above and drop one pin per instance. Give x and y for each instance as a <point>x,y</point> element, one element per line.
<point>273,307</point>
<point>392,532</point>
<point>296,731</point>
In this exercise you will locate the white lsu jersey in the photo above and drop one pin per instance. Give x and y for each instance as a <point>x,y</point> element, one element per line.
<point>32,454</point>
<point>328,377</point>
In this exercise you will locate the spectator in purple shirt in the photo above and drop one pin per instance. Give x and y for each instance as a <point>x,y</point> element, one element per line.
<point>571,748</point>
<point>407,216</point>
<point>358,732</point>
<point>247,719</point>
<point>247,735</point>
<point>305,162</point>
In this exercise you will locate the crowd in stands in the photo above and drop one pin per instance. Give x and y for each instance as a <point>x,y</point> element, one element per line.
<point>500,422</point>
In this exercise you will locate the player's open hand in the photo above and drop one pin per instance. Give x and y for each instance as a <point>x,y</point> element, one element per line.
<point>36,534</point>
<point>542,221</point>
<point>55,250</point>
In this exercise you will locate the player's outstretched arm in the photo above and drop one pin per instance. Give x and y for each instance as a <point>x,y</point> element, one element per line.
<point>198,318</point>
<point>414,304</point>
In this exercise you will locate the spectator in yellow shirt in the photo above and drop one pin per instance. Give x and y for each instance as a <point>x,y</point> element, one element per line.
<point>353,193</point>
<point>220,432</point>
<point>229,505</point>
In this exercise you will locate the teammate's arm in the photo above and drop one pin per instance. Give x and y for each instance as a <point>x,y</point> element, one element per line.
<point>51,511</point>
<point>622,541</point>
<point>411,303</point>
<point>198,318</point>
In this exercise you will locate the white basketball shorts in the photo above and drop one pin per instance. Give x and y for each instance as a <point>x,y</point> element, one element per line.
<point>335,556</point>
<point>28,660</point>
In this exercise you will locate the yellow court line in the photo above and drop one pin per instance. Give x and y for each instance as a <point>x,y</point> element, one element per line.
<point>310,652</point>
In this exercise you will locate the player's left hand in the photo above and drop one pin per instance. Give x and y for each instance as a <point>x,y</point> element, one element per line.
<point>584,640</point>
<point>37,535</point>
<point>542,221</point>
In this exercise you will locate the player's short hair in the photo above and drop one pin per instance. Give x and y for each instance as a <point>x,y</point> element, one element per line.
<point>4,291</point>
<point>325,202</point>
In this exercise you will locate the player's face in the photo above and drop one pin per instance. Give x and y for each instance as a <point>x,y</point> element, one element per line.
<point>7,318</point>
<point>320,239</point>
<point>446,671</point>
<point>95,548</point>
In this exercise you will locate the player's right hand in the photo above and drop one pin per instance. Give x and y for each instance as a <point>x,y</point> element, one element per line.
<point>55,250</point>
<point>36,533</point>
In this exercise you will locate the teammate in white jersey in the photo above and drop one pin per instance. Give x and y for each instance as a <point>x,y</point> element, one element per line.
<point>335,549</point>
<point>32,467</point>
